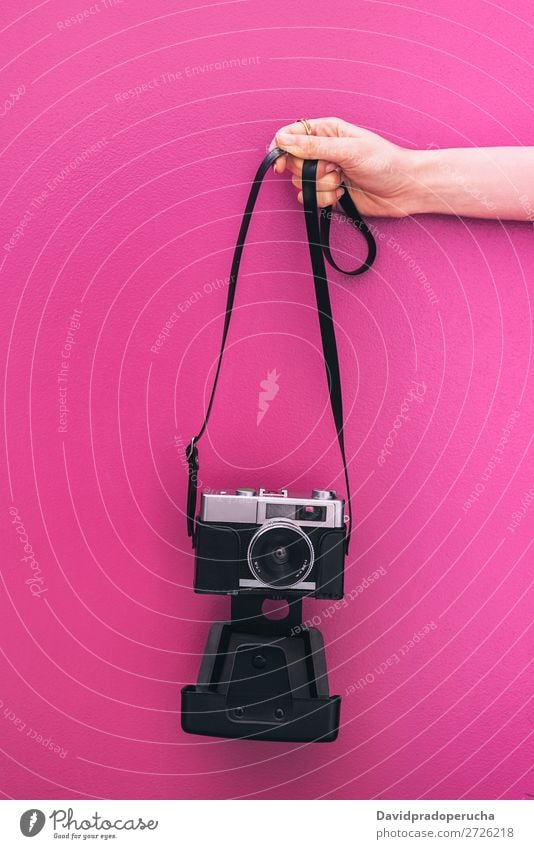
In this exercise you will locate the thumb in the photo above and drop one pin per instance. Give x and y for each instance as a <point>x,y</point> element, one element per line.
<point>313,147</point>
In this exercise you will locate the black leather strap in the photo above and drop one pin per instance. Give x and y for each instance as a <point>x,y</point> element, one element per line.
<point>318,230</point>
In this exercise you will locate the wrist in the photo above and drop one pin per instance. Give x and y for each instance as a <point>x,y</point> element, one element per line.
<point>425,190</point>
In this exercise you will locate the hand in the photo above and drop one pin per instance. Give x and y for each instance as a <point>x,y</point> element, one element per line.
<point>375,171</point>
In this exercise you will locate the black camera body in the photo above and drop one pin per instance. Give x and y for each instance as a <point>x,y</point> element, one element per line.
<point>261,542</point>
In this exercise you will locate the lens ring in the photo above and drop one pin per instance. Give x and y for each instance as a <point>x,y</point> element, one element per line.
<point>269,527</point>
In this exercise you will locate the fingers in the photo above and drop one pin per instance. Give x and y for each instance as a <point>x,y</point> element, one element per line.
<point>325,198</point>
<point>296,128</point>
<point>329,182</point>
<point>329,127</point>
<point>329,136</point>
<point>314,147</point>
<point>294,165</point>
<point>328,188</point>
<point>330,143</point>
<point>280,164</point>
<point>329,140</point>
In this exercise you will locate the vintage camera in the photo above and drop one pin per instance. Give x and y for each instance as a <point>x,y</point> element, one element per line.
<point>264,678</point>
<point>250,541</point>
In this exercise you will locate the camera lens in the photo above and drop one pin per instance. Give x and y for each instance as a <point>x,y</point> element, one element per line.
<point>280,555</point>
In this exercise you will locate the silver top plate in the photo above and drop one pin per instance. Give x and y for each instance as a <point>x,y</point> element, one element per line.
<point>256,509</point>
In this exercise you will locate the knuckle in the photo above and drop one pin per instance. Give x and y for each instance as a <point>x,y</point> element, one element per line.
<point>326,199</point>
<point>330,182</point>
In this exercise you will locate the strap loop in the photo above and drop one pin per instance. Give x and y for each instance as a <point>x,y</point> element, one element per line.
<point>356,219</point>
<point>318,230</point>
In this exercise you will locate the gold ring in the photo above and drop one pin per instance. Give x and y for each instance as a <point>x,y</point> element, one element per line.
<point>307,125</point>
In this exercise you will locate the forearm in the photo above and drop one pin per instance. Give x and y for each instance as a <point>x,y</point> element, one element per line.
<point>492,182</point>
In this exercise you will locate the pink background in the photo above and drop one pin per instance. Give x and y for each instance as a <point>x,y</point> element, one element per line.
<point>140,222</point>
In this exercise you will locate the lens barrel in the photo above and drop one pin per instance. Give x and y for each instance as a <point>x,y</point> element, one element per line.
<point>280,555</point>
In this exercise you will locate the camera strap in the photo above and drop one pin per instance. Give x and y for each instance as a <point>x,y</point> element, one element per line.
<point>318,231</point>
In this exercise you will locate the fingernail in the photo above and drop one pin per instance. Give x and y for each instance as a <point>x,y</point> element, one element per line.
<point>339,192</point>
<point>330,167</point>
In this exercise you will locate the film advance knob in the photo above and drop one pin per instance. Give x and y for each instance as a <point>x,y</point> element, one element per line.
<point>323,494</point>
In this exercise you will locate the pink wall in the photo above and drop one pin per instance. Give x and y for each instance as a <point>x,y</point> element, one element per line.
<point>130,208</point>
